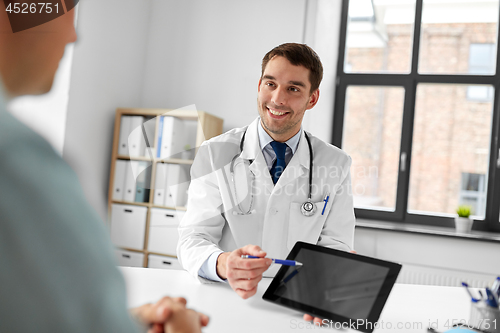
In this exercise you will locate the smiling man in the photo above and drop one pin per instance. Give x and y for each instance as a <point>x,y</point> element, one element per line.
<point>268,185</point>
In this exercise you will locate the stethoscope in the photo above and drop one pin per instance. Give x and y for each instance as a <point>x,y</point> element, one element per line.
<point>308,208</point>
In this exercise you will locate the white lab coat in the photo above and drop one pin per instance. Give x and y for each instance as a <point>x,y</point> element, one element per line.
<point>276,223</point>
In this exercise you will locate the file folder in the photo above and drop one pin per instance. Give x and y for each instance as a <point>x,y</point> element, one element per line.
<point>124,132</point>
<point>119,180</point>
<point>160,182</point>
<point>142,184</point>
<point>173,138</point>
<point>130,187</point>
<point>136,141</point>
<point>149,131</point>
<point>177,185</point>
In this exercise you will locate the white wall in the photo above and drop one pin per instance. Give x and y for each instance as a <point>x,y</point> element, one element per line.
<point>107,73</point>
<point>208,53</point>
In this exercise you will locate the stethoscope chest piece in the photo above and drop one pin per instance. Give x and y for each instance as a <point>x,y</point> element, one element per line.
<point>308,208</point>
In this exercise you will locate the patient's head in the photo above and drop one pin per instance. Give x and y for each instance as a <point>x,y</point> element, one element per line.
<point>29,59</point>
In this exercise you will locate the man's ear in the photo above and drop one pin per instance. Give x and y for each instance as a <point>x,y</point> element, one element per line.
<point>258,88</point>
<point>313,99</point>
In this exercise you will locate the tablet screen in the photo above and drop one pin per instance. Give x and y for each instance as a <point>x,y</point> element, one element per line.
<point>333,284</point>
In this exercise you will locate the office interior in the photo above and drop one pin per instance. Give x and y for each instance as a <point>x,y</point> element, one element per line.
<point>169,54</point>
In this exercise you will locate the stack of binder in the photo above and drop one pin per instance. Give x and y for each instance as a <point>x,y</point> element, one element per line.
<point>136,135</point>
<point>132,181</point>
<point>171,184</point>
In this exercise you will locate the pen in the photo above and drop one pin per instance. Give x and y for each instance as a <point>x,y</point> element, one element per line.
<point>327,197</point>
<point>492,299</point>
<point>474,300</point>
<point>276,261</point>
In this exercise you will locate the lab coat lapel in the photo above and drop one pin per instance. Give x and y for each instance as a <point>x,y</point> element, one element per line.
<point>253,152</point>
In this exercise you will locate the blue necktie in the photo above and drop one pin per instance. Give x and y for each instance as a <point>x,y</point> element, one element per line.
<point>279,165</point>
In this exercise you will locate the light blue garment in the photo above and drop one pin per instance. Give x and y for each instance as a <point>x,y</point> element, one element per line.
<point>57,272</point>
<point>209,268</point>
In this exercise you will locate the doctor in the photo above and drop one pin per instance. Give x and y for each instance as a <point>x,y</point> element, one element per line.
<point>269,184</point>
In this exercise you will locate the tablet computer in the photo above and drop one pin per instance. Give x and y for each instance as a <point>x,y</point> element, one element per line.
<point>345,289</point>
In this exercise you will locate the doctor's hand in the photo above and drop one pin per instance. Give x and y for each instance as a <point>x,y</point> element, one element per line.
<point>243,275</point>
<point>169,315</point>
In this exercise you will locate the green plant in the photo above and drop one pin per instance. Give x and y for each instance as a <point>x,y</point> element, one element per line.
<point>464,211</point>
<point>187,147</point>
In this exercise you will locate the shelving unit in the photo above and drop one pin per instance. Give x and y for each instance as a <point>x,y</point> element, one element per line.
<point>207,127</point>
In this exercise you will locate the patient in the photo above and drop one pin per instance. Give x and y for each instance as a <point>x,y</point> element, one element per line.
<point>57,272</point>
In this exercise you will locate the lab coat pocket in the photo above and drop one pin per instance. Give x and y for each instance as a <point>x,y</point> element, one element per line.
<point>304,228</point>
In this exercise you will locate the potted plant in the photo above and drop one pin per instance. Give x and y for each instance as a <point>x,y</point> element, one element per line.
<point>463,222</point>
<point>186,154</point>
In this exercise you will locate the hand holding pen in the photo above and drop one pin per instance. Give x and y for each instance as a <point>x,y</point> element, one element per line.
<point>243,275</point>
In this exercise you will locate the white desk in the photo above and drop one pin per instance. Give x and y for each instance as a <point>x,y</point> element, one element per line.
<point>411,305</point>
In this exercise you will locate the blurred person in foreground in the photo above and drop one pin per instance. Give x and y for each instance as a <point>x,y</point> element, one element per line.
<point>57,272</point>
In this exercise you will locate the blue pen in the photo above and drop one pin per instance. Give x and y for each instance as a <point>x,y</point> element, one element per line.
<point>492,299</point>
<point>474,300</point>
<point>327,197</point>
<point>495,288</point>
<point>276,261</point>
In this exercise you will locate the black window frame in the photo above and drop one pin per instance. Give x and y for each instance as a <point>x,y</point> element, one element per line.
<point>409,82</point>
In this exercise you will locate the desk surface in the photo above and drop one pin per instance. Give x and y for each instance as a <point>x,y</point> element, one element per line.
<point>410,308</point>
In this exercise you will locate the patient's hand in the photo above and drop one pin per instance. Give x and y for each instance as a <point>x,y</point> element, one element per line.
<point>169,315</point>
<point>317,321</point>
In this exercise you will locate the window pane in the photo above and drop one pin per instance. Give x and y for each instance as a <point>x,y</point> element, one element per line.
<point>379,36</point>
<point>372,136</point>
<point>458,37</point>
<point>450,153</point>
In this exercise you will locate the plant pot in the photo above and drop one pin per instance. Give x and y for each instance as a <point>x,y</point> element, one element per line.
<point>186,155</point>
<point>463,224</point>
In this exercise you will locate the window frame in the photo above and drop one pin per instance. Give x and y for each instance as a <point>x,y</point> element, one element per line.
<point>410,82</point>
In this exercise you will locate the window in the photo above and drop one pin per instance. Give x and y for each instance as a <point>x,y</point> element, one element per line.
<point>416,109</point>
<point>481,61</point>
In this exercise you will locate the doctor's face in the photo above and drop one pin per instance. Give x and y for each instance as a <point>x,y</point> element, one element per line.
<point>283,98</point>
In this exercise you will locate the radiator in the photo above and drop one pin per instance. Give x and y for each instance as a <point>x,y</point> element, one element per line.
<point>413,274</point>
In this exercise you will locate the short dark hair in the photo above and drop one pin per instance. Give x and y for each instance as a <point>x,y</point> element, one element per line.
<point>298,55</point>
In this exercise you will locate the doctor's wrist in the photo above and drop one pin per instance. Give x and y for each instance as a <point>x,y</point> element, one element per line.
<point>222,264</point>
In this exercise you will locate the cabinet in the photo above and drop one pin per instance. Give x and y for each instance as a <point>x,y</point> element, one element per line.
<point>144,217</point>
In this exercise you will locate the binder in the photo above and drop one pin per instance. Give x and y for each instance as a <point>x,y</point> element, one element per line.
<point>177,185</point>
<point>129,194</point>
<point>136,141</point>
<point>119,180</point>
<point>160,137</point>
<point>124,132</point>
<point>142,188</point>
<point>173,137</point>
<point>149,129</point>
<point>160,182</point>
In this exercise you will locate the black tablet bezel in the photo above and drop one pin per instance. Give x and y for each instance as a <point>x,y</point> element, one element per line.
<point>369,323</point>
